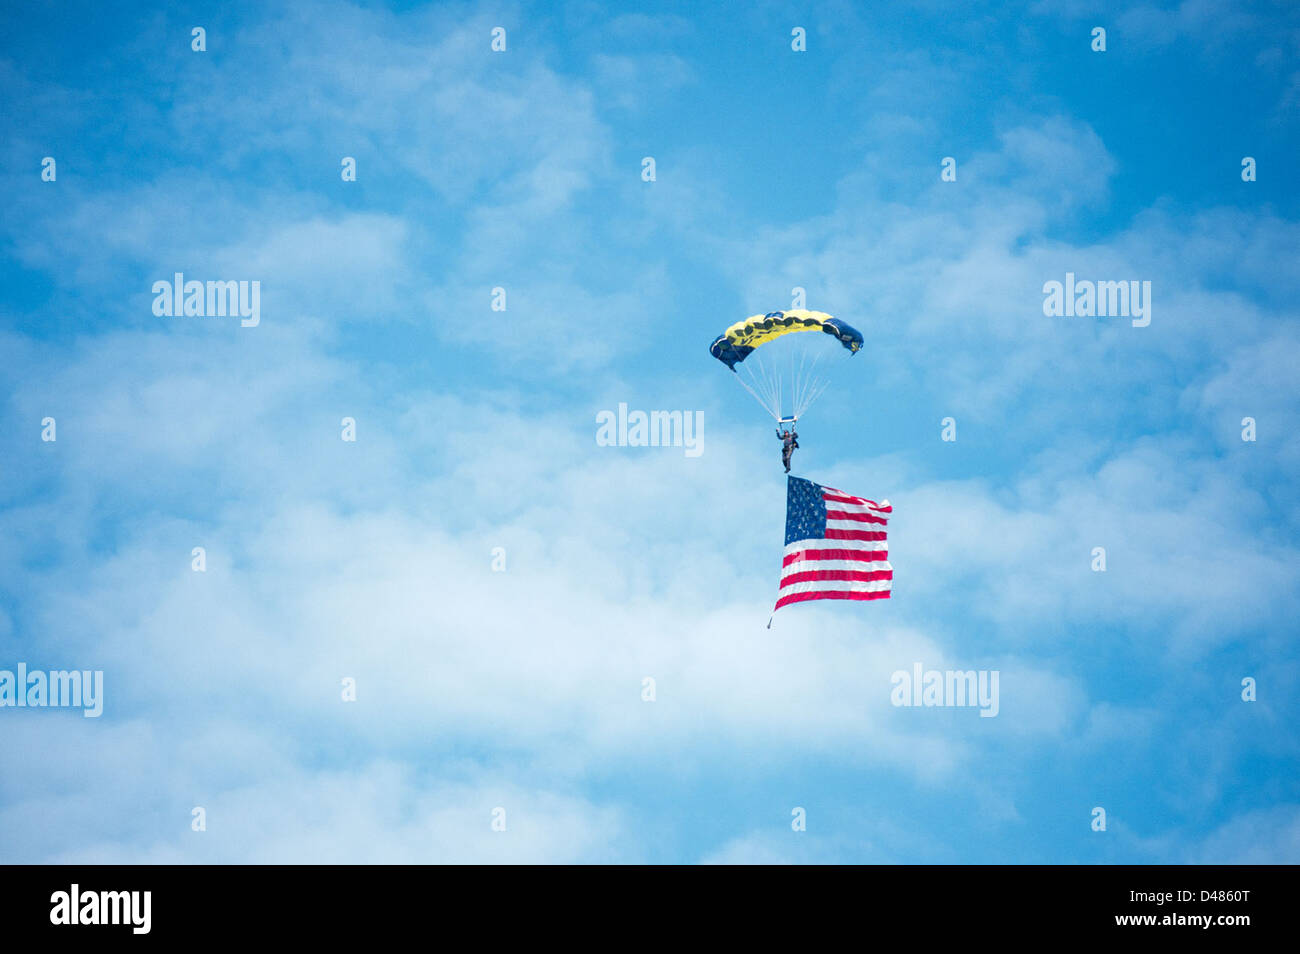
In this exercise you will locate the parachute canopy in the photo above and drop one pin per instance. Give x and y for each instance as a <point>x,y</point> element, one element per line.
<point>739,341</point>
<point>788,379</point>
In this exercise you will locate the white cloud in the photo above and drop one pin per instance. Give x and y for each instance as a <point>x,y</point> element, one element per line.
<point>1263,837</point>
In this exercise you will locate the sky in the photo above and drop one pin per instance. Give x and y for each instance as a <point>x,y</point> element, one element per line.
<point>493,585</point>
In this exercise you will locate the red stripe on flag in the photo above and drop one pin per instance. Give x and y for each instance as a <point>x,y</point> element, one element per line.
<point>856,535</point>
<point>831,595</point>
<point>860,517</point>
<point>852,576</point>
<point>862,556</point>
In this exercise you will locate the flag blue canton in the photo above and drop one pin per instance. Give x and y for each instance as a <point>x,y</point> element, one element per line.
<point>805,511</point>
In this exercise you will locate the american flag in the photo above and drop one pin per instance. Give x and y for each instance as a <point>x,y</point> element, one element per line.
<point>835,546</point>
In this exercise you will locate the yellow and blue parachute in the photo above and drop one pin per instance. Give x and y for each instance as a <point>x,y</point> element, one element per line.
<point>739,341</point>
<point>772,384</point>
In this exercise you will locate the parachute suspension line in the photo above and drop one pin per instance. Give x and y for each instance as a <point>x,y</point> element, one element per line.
<point>771,385</point>
<point>778,382</point>
<point>811,387</point>
<point>757,397</point>
<point>784,391</point>
<point>806,378</point>
<point>762,384</point>
<point>814,394</point>
<point>773,374</point>
<point>800,383</point>
<point>795,382</point>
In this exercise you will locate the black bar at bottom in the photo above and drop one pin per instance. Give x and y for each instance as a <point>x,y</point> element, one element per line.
<point>329,903</point>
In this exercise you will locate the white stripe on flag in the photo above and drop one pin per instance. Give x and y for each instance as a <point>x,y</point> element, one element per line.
<point>835,499</point>
<point>800,546</point>
<point>867,566</point>
<point>836,586</point>
<point>832,523</point>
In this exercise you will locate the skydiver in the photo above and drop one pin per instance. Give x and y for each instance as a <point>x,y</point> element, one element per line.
<point>789,444</point>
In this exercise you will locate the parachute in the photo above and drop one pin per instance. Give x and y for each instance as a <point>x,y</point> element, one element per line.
<point>768,381</point>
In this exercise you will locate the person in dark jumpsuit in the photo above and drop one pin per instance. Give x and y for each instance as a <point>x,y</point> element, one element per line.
<point>789,444</point>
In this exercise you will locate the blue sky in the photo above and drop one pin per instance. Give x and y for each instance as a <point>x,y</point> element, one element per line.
<point>476,429</point>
